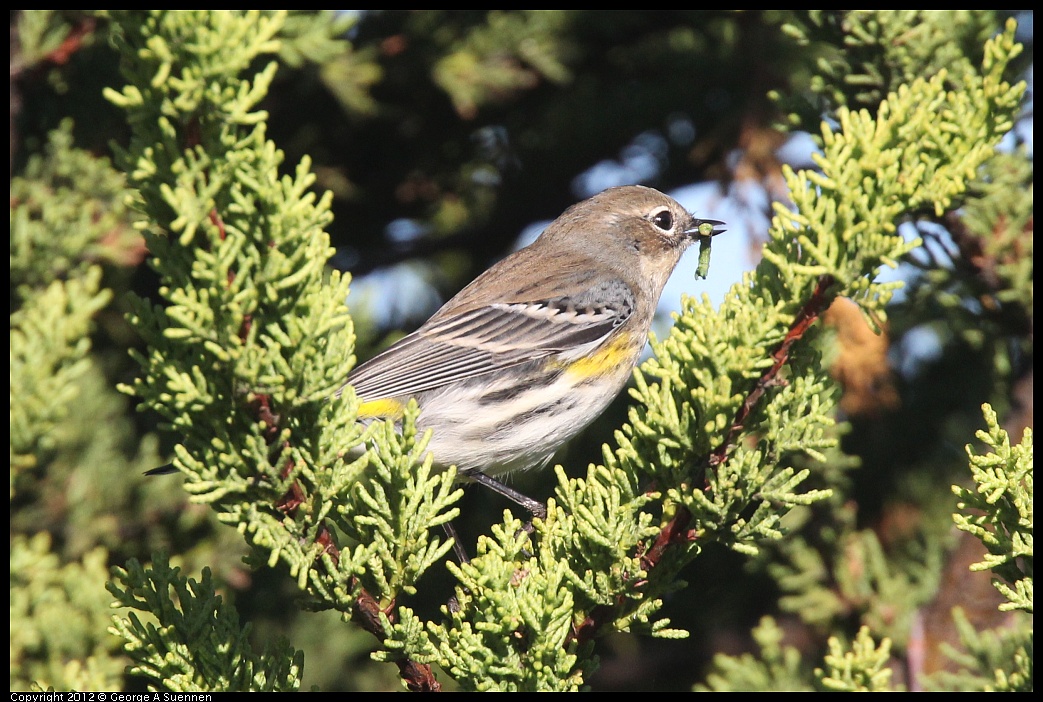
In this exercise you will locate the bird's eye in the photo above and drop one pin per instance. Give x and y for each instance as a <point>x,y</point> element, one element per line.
<point>663,220</point>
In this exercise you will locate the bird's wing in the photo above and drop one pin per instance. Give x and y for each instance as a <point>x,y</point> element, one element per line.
<point>452,347</point>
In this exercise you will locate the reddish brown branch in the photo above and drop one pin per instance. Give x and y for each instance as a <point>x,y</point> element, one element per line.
<point>676,531</point>
<point>72,43</point>
<point>369,615</point>
<point>367,611</point>
<point>808,314</point>
<point>418,676</point>
<point>218,222</point>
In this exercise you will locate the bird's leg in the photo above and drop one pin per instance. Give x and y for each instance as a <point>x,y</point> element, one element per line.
<point>461,555</point>
<point>458,546</point>
<point>537,509</point>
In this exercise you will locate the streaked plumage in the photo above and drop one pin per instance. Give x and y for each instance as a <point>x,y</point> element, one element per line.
<point>536,347</point>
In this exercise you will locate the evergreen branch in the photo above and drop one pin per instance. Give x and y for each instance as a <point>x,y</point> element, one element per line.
<point>776,668</point>
<point>722,371</point>
<point>49,351</point>
<point>676,532</point>
<point>43,38</point>
<point>418,677</point>
<point>869,53</point>
<point>71,191</point>
<point>805,317</point>
<point>994,660</point>
<point>59,614</point>
<point>861,669</point>
<point>254,339</point>
<point>196,643</point>
<point>998,511</point>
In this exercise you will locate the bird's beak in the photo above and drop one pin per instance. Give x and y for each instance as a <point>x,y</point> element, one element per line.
<point>705,228</point>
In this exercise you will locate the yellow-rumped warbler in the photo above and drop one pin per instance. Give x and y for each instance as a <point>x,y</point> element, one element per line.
<point>532,351</point>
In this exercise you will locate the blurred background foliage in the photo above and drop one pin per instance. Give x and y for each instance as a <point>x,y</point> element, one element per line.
<point>444,135</point>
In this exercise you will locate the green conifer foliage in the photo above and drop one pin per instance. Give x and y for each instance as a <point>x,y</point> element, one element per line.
<point>731,441</point>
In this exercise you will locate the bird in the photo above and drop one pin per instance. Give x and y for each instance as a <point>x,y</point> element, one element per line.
<point>535,348</point>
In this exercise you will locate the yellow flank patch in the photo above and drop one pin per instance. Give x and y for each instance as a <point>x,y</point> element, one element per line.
<point>605,360</point>
<point>385,409</point>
